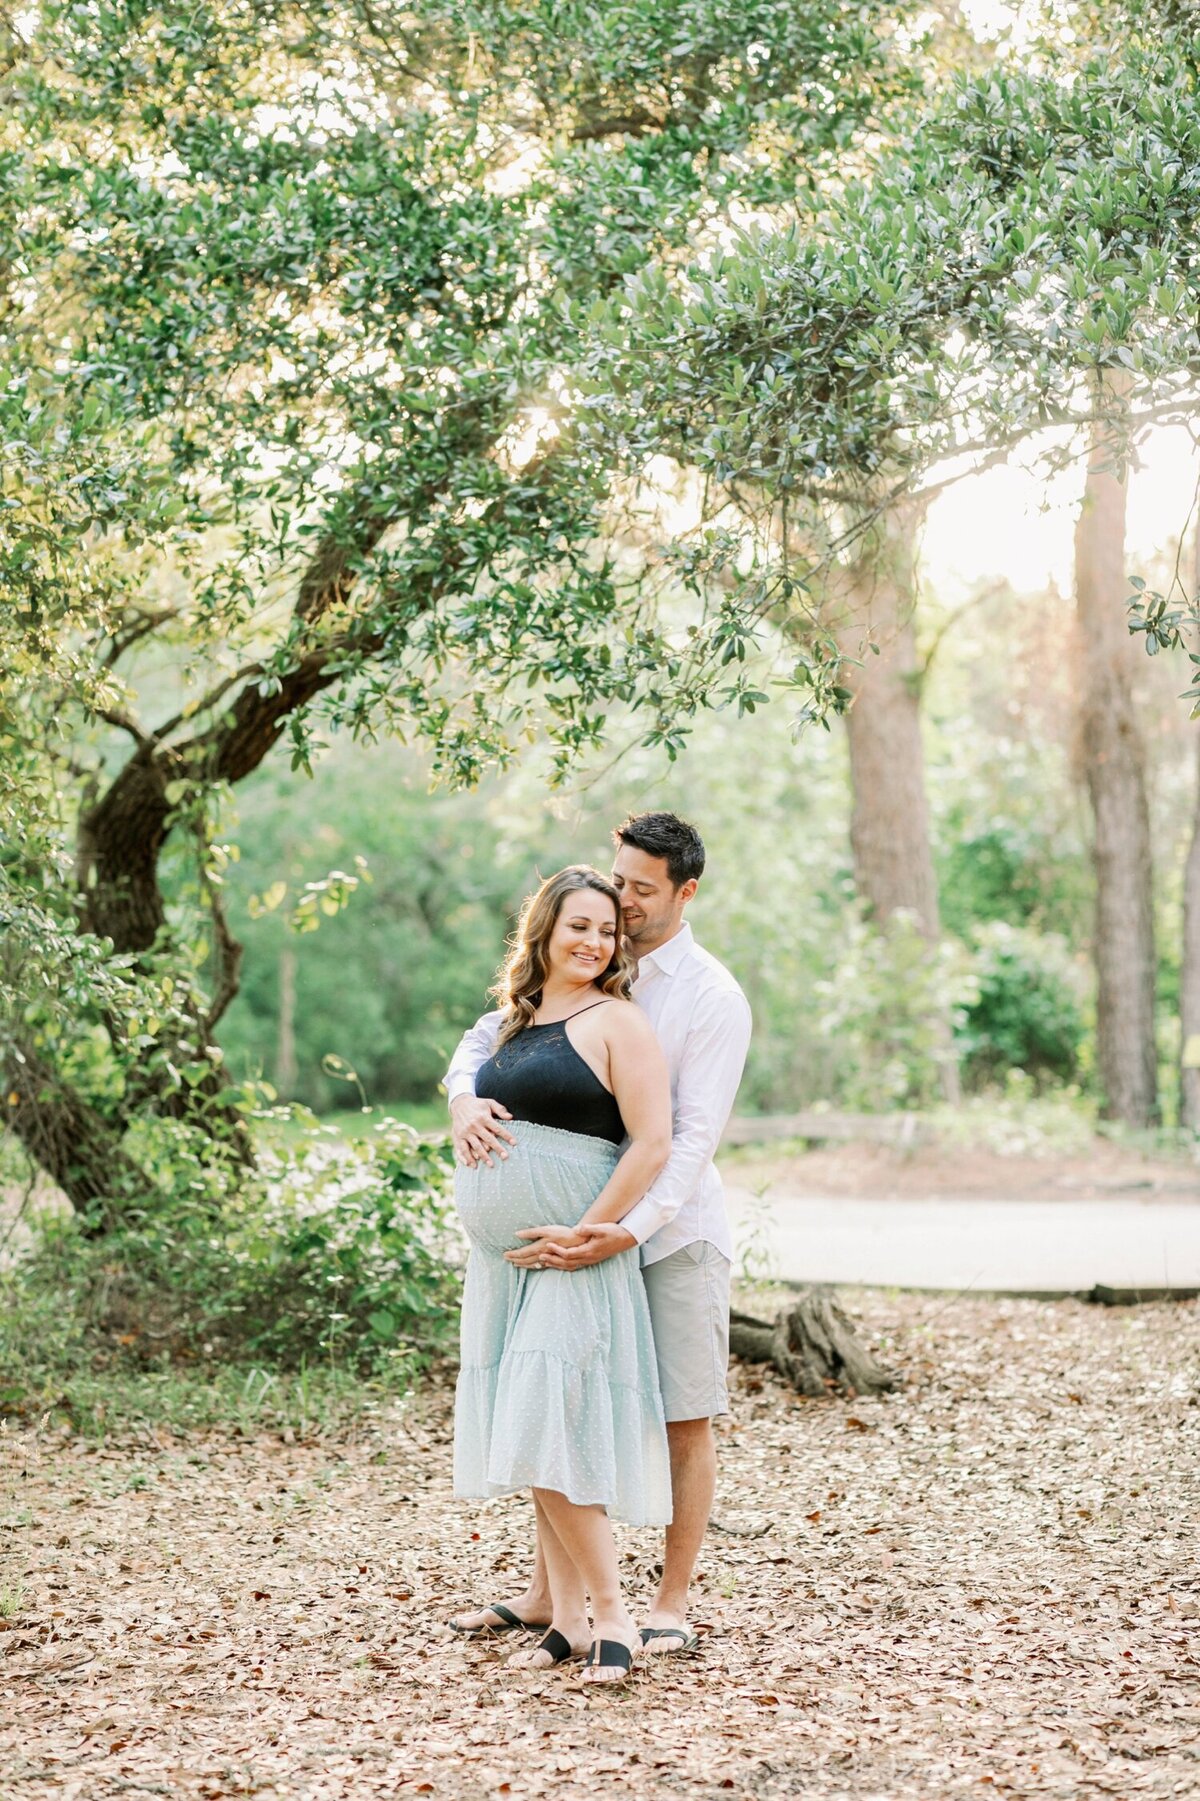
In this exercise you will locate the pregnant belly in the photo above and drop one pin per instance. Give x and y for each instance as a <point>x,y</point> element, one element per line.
<point>525,1190</point>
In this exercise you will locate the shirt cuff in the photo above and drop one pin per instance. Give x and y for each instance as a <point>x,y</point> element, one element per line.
<point>458,1084</point>
<point>643,1220</point>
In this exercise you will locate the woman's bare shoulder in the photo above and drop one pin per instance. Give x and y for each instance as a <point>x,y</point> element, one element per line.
<point>625,1020</point>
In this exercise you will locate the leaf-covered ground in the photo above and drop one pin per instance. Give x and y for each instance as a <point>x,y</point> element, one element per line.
<point>987,1583</point>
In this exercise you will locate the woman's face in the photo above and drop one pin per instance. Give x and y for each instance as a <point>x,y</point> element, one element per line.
<point>584,938</point>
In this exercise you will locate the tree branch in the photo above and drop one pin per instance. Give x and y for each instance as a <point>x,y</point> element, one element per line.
<point>229,957</point>
<point>125,722</point>
<point>209,700</point>
<point>146,623</point>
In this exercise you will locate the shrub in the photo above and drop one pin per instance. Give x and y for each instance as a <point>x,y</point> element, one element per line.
<point>334,1251</point>
<point>1028,1012</point>
<point>888,1012</point>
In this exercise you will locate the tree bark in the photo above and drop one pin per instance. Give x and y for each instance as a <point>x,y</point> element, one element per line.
<point>1189,975</point>
<point>286,1069</point>
<point>813,1345</point>
<point>889,820</point>
<point>64,1135</point>
<point>889,816</point>
<point>1111,747</point>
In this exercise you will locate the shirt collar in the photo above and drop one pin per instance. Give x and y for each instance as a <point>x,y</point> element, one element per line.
<point>670,955</point>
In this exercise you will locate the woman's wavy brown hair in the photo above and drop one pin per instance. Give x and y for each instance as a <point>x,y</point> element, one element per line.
<point>523,975</point>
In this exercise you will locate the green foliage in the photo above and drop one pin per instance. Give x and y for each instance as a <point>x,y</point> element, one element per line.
<point>289,332</point>
<point>338,1255</point>
<point>1010,870</point>
<point>1168,622</point>
<point>1007,246</point>
<point>1026,1014</point>
<point>350,1256</point>
<point>387,983</point>
<point>884,1012</point>
<point>265,344</point>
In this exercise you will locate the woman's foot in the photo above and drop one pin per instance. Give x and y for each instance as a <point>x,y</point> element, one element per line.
<point>556,1647</point>
<point>621,1633</point>
<point>528,1613</point>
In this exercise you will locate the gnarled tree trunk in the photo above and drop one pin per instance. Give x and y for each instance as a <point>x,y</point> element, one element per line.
<point>1111,748</point>
<point>121,836</point>
<point>64,1135</point>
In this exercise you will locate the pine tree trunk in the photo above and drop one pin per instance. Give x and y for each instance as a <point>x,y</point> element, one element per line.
<point>1111,747</point>
<point>1189,975</point>
<point>889,820</point>
<point>889,817</point>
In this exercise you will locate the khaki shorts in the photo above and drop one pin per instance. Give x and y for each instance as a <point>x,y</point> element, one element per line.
<point>689,1306</point>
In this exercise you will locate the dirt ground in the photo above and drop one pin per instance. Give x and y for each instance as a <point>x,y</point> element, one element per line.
<point>985,1583</point>
<point>968,1172</point>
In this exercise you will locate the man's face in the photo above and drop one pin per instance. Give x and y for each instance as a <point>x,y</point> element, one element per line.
<point>651,909</point>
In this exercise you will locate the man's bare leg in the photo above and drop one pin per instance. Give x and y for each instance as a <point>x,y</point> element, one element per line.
<point>533,1603</point>
<point>693,1485</point>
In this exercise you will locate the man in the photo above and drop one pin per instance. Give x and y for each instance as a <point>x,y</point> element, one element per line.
<point>703,1024</point>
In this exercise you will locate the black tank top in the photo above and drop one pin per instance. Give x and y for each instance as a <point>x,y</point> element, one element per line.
<point>540,1077</point>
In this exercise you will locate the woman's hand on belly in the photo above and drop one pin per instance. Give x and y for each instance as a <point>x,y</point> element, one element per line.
<point>531,1255</point>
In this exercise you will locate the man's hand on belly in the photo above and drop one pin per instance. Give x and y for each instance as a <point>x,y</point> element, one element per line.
<point>545,1242</point>
<point>588,1245</point>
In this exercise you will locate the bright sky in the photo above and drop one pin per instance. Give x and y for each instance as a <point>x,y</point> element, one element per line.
<point>1011,522</point>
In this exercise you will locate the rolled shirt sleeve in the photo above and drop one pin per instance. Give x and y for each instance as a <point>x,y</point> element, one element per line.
<point>474,1048</point>
<point>705,1089</point>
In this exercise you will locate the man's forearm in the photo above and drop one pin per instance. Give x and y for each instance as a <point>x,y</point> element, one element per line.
<point>690,1157</point>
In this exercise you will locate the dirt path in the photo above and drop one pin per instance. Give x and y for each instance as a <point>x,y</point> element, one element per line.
<point>1097,1170</point>
<point>986,1584</point>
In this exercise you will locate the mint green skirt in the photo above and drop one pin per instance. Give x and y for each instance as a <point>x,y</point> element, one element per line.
<point>558,1386</point>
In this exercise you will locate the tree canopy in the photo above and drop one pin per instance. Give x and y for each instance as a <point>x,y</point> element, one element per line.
<point>337,344</point>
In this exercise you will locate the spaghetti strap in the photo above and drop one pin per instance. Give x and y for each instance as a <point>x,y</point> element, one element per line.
<point>587,1009</point>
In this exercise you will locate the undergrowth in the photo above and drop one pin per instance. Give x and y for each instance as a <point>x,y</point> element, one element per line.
<point>320,1286</point>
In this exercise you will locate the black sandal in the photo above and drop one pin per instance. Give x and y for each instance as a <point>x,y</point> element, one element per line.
<point>558,1647</point>
<point>609,1654</point>
<point>509,1622</point>
<point>688,1640</point>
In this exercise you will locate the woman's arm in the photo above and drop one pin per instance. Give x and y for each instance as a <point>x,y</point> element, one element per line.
<point>637,1070</point>
<point>642,1086</point>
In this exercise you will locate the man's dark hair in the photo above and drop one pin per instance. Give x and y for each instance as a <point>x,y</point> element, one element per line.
<point>666,835</point>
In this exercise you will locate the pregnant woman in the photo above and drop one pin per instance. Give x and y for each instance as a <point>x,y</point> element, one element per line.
<point>558,1388</point>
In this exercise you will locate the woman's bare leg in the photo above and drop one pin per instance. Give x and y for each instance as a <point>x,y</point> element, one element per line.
<point>568,1602</point>
<point>585,1533</point>
<point>534,1603</point>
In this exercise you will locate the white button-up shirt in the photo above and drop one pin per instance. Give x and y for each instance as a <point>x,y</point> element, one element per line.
<point>702,1021</point>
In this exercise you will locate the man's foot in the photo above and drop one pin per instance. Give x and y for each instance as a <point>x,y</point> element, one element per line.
<point>611,1653</point>
<point>557,1647</point>
<point>667,1634</point>
<point>524,1615</point>
<point>667,1641</point>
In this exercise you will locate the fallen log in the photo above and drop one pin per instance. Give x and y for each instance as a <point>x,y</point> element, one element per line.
<point>813,1345</point>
